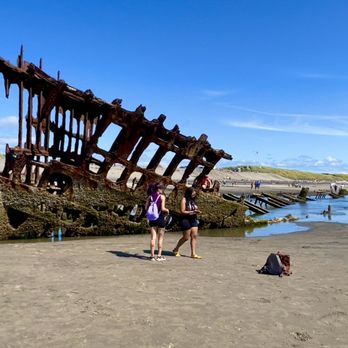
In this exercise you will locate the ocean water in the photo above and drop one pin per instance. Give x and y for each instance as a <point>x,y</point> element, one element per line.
<point>311,211</point>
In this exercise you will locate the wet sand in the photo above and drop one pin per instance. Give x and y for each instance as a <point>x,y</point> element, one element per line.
<point>105,293</point>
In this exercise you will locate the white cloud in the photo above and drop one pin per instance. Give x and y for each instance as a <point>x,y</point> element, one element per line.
<point>329,164</point>
<point>283,114</point>
<point>332,159</point>
<point>217,93</point>
<point>8,120</point>
<point>253,125</point>
<point>321,76</point>
<point>294,128</point>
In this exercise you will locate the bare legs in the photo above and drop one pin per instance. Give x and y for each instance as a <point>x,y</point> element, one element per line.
<point>160,241</point>
<point>153,241</point>
<point>156,233</point>
<point>192,234</point>
<point>182,240</point>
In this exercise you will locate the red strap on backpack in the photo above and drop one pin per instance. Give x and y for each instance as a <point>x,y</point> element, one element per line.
<point>285,259</point>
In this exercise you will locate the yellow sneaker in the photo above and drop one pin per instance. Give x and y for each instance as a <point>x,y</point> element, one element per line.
<point>176,253</point>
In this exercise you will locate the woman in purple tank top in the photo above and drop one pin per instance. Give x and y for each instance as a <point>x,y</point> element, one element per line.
<point>157,227</point>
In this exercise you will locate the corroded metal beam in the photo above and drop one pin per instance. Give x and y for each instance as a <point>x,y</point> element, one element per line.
<point>70,123</point>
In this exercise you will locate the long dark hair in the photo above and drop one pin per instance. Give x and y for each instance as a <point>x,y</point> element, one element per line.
<point>190,201</point>
<point>153,188</point>
<point>188,194</point>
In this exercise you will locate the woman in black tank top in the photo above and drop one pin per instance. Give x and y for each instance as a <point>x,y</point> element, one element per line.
<point>189,222</point>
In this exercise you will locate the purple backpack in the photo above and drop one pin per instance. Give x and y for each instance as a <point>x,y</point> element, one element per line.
<point>152,213</point>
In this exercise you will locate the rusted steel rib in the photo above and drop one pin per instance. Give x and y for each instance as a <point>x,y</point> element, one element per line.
<point>69,123</point>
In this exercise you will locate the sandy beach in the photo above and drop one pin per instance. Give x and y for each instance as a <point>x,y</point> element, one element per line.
<point>236,182</point>
<point>105,293</point>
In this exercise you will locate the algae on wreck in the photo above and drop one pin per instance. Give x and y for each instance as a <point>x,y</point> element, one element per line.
<point>28,212</point>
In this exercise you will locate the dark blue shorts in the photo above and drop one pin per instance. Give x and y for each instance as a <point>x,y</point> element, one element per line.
<point>187,223</point>
<point>160,222</point>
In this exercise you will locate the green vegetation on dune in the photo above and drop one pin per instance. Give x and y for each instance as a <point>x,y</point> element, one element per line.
<point>293,174</point>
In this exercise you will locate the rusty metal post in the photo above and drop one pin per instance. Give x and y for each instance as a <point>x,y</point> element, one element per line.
<point>20,114</point>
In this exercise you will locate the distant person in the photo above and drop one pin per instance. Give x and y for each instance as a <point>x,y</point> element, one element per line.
<point>206,183</point>
<point>189,222</point>
<point>334,188</point>
<point>157,227</point>
<point>134,182</point>
<point>216,186</point>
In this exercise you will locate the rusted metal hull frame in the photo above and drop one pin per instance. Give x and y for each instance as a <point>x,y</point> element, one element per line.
<point>57,138</point>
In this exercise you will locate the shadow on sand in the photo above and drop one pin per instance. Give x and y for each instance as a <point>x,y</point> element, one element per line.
<point>124,254</point>
<point>142,257</point>
<point>164,252</point>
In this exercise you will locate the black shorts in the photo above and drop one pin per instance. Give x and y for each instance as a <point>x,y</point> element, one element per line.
<point>160,222</point>
<point>187,223</point>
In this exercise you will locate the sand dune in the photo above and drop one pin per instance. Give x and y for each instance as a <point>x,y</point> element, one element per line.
<point>216,174</point>
<point>238,182</point>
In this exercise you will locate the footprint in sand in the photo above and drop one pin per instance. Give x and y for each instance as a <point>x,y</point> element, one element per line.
<point>301,336</point>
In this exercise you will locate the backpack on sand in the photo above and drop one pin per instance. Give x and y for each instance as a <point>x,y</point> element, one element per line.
<point>276,264</point>
<point>152,213</point>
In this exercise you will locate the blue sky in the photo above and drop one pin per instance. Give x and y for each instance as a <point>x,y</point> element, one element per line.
<point>266,80</point>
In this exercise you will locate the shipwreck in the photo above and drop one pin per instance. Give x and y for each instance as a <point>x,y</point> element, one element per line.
<point>57,174</point>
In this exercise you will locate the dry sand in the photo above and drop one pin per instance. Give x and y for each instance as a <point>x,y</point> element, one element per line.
<point>105,293</point>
